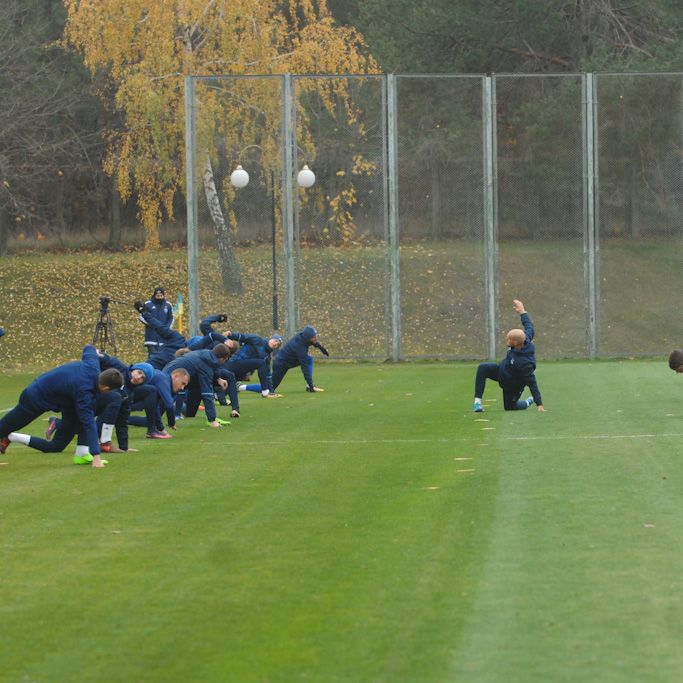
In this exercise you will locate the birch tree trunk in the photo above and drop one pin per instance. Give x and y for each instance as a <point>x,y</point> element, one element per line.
<point>114,218</point>
<point>230,269</point>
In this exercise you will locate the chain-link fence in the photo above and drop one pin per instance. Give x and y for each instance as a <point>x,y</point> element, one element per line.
<point>436,201</point>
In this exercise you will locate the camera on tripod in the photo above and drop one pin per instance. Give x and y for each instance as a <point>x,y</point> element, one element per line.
<point>104,328</point>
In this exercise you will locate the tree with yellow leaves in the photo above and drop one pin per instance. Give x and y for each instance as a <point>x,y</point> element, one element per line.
<point>148,46</point>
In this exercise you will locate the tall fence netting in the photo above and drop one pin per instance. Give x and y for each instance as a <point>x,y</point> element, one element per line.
<point>607,287</point>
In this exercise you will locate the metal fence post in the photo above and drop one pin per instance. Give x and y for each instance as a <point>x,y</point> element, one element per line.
<point>490,218</point>
<point>288,205</point>
<point>392,206</point>
<point>190,193</point>
<point>296,234</point>
<point>388,335</point>
<point>590,198</point>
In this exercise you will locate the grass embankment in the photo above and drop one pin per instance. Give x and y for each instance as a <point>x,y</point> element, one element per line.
<point>49,302</point>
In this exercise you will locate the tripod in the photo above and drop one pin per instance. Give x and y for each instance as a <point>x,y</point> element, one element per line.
<point>104,328</point>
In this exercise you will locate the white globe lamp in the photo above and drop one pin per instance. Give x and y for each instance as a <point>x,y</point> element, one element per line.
<point>239,177</point>
<point>306,177</point>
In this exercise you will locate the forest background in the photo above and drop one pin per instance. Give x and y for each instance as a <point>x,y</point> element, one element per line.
<point>81,164</point>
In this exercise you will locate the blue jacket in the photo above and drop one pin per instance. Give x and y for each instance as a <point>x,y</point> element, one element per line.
<point>209,337</point>
<point>203,368</point>
<point>107,361</point>
<point>518,367</point>
<point>162,312</point>
<point>71,386</point>
<point>171,340</point>
<point>163,384</point>
<point>295,352</point>
<point>252,347</point>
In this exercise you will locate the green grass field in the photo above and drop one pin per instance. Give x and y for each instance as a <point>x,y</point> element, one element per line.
<point>378,532</point>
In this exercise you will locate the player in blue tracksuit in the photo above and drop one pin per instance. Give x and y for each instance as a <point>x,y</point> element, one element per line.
<point>112,409</point>
<point>254,354</point>
<point>166,387</point>
<point>173,341</point>
<point>207,340</point>
<point>136,389</point>
<point>208,337</point>
<point>203,367</point>
<point>516,371</point>
<point>70,389</point>
<point>162,311</point>
<point>295,354</point>
<point>170,340</point>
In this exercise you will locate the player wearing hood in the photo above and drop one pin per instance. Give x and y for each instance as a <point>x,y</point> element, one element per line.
<point>160,310</point>
<point>170,340</point>
<point>295,353</point>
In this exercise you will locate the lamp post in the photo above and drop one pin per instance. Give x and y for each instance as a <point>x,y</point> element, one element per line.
<point>240,179</point>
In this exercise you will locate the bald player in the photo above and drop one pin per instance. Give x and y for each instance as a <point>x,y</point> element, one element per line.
<point>516,371</point>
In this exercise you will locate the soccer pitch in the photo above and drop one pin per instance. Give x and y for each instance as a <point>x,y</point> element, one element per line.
<point>380,531</point>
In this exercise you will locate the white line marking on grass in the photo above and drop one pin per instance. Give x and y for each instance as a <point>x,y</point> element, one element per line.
<point>590,436</point>
<point>5,410</point>
<point>455,439</point>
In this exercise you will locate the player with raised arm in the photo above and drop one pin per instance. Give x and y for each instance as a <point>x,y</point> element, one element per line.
<point>516,371</point>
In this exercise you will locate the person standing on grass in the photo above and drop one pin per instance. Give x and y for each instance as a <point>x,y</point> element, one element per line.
<point>516,371</point>
<point>70,389</point>
<point>168,339</point>
<point>160,310</point>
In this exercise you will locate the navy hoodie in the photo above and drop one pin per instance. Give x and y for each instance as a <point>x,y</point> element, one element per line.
<point>295,352</point>
<point>162,312</point>
<point>203,367</point>
<point>209,337</point>
<point>73,385</point>
<point>171,341</point>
